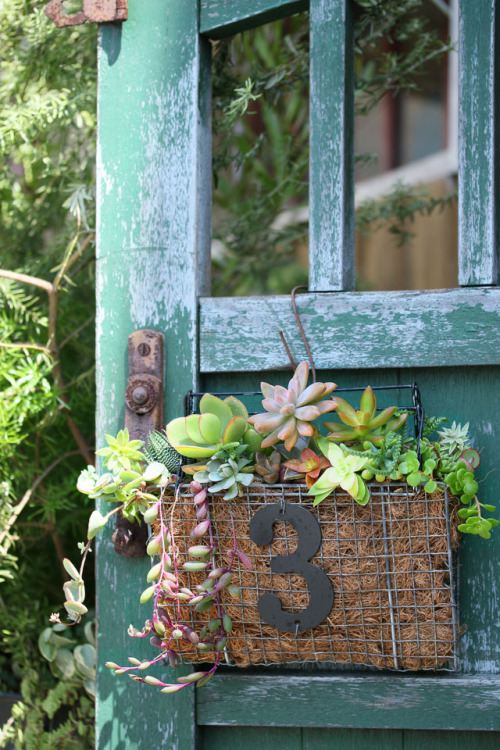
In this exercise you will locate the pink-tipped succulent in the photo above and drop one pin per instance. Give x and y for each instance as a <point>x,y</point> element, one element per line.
<point>364,424</point>
<point>291,411</point>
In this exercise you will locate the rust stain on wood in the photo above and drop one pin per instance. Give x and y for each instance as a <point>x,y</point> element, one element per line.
<point>93,11</point>
<point>143,414</point>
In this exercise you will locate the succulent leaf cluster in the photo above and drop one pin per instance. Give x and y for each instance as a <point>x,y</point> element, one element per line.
<point>158,449</point>
<point>227,472</point>
<point>364,424</point>
<point>342,473</point>
<point>290,412</point>
<point>221,423</point>
<point>268,467</point>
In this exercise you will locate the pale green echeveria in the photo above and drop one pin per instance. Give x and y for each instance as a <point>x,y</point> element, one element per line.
<point>226,476</point>
<point>221,423</point>
<point>342,473</point>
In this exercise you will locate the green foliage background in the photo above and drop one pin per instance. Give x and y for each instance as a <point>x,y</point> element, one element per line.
<point>47,219</point>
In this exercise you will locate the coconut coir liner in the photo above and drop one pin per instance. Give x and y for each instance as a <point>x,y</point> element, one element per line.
<point>393,604</point>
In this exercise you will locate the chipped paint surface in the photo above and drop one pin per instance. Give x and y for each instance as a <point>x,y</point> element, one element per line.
<point>357,701</point>
<point>219,18</point>
<point>153,122</point>
<point>478,200</point>
<point>353,330</point>
<point>331,189</point>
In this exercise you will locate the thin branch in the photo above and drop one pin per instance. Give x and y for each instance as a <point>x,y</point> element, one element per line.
<point>25,345</point>
<point>23,278</point>
<point>27,495</point>
<point>75,332</point>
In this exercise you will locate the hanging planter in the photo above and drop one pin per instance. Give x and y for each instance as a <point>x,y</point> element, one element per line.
<point>361,572</point>
<point>391,566</point>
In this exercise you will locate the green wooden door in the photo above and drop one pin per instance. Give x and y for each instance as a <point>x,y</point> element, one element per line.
<point>153,271</point>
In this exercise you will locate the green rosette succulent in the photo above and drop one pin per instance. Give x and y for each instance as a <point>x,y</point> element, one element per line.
<point>221,423</point>
<point>290,411</point>
<point>342,473</point>
<point>229,475</point>
<point>364,424</point>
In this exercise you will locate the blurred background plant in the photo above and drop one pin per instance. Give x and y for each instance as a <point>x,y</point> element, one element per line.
<point>47,219</point>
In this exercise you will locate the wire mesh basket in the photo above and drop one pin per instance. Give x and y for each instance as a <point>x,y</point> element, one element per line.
<point>392,564</point>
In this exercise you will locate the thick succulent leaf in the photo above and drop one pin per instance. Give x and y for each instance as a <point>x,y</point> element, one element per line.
<point>343,407</point>
<point>368,402</point>
<point>176,431</point>
<point>350,484</point>
<point>340,432</point>
<point>190,450</point>
<point>356,463</point>
<point>234,430</point>
<point>312,393</point>
<point>267,390</point>
<point>307,413</point>
<point>330,479</point>
<point>238,409</point>
<point>287,429</point>
<point>281,395</point>
<point>232,492</point>
<point>210,428</point>
<point>305,429</point>
<point>322,496</point>
<point>471,456</point>
<point>383,417</point>
<point>363,495</point>
<point>323,445</point>
<point>334,454</point>
<point>348,419</point>
<point>329,387</point>
<point>252,439</point>
<point>245,479</point>
<point>377,440</point>
<point>270,404</point>
<point>302,374</point>
<point>192,424</point>
<point>325,406</point>
<point>213,405</point>
<point>223,485</point>
<point>266,422</point>
<point>396,423</point>
<point>291,441</point>
<point>270,439</point>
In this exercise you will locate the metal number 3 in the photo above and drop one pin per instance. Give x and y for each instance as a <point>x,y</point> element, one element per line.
<point>309,540</point>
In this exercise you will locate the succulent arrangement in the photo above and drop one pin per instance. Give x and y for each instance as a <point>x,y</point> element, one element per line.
<point>232,450</point>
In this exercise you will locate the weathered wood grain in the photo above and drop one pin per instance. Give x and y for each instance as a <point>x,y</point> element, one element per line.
<point>331,180</point>
<point>353,330</point>
<point>364,701</point>
<point>478,142</point>
<point>220,18</point>
<point>153,179</point>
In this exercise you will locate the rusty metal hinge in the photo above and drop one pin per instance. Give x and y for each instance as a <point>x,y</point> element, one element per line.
<point>93,11</point>
<point>143,414</point>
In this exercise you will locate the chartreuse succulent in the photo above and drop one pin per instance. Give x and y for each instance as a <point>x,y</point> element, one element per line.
<point>364,424</point>
<point>289,412</point>
<point>221,423</point>
<point>342,473</point>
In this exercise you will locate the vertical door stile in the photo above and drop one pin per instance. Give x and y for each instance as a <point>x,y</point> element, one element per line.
<point>154,208</point>
<point>478,141</point>
<point>331,182</point>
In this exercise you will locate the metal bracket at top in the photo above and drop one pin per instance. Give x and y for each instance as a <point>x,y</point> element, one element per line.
<point>93,11</point>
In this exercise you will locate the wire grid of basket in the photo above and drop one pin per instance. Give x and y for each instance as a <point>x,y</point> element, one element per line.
<point>391,563</point>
